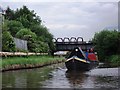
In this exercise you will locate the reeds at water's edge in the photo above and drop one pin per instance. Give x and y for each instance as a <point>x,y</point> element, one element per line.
<point>14,63</point>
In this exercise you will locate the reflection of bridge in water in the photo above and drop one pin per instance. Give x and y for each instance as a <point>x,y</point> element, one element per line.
<point>68,44</point>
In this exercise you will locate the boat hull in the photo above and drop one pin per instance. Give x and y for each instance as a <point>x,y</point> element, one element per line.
<point>77,65</point>
<point>77,60</point>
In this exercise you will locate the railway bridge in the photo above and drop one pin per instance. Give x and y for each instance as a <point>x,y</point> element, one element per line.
<point>68,44</point>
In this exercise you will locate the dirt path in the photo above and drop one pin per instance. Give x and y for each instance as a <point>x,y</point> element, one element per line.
<point>20,54</point>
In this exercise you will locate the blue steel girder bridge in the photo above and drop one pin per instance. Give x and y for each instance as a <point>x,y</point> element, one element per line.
<point>68,44</point>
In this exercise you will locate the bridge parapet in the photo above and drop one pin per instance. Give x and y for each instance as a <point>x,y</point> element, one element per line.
<point>66,38</point>
<point>70,40</point>
<point>68,44</point>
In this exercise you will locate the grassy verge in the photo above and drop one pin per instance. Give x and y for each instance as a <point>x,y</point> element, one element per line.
<point>12,63</point>
<point>114,60</point>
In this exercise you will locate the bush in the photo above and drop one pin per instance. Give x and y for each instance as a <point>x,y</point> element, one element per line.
<point>106,43</point>
<point>43,35</point>
<point>37,46</point>
<point>14,27</point>
<point>26,34</point>
<point>114,60</point>
<point>7,42</point>
<point>25,24</point>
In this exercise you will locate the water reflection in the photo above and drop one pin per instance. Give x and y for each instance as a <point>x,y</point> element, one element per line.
<point>107,82</point>
<point>57,76</point>
<point>75,78</point>
<point>91,80</point>
<point>25,78</point>
<point>58,79</point>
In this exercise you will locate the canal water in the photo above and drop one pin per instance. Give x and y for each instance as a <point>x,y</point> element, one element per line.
<point>57,76</point>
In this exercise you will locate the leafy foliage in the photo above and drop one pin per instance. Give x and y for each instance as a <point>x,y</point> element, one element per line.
<point>9,14</point>
<point>39,30</point>
<point>27,17</point>
<point>25,24</point>
<point>7,42</point>
<point>115,60</point>
<point>26,34</point>
<point>43,35</point>
<point>14,27</point>
<point>37,46</point>
<point>5,26</point>
<point>106,43</point>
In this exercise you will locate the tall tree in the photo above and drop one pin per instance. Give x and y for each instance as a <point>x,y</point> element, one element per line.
<point>7,42</point>
<point>26,34</point>
<point>27,17</point>
<point>106,43</point>
<point>9,14</point>
<point>24,18</point>
<point>43,35</point>
<point>14,27</point>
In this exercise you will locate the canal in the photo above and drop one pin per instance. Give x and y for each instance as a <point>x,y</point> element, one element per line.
<point>56,76</point>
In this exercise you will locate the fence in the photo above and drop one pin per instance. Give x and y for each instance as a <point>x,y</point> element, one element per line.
<point>20,44</point>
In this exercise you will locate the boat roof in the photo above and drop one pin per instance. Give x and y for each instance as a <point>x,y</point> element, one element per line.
<point>77,51</point>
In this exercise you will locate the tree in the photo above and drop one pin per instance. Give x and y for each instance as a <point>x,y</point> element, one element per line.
<point>9,14</point>
<point>27,17</point>
<point>106,43</point>
<point>14,27</point>
<point>25,24</point>
<point>33,44</point>
<point>7,42</point>
<point>38,46</point>
<point>7,39</point>
<point>39,30</point>
<point>43,35</point>
<point>5,26</point>
<point>26,34</point>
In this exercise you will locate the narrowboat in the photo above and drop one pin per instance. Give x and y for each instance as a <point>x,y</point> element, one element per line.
<point>77,60</point>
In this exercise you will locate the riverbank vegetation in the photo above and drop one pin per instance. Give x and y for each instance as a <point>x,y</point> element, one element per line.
<point>13,63</point>
<point>107,44</point>
<point>26,25</point>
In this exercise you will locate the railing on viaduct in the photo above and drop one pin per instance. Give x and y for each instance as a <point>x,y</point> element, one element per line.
<point>68,44</point>
<point>66,39</point>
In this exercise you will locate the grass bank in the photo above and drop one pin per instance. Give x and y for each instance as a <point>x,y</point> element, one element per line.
<point>114,60</point>
<point>14,63</point>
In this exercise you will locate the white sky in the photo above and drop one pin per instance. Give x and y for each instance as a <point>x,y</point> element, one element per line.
<point>72,17</point>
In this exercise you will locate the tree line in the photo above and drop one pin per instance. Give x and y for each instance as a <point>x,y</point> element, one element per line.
<point>25,24</point>
<point>107,45</point>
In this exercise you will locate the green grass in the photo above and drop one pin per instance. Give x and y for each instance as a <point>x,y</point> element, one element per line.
<point>30,60</point>
<point>114,60</point>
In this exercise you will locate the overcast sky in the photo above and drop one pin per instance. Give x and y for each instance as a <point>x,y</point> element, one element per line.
<point>68,19</point>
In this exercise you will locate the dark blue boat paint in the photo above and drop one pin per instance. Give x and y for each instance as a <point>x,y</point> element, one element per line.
<point>82,65</point>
